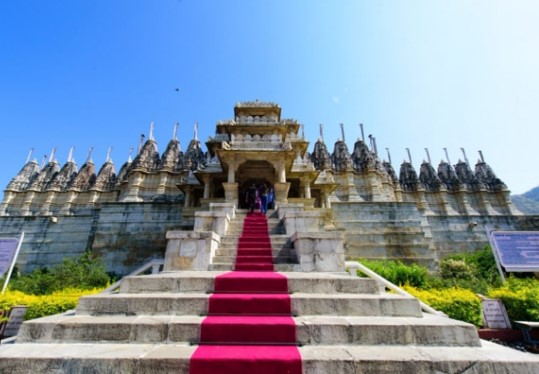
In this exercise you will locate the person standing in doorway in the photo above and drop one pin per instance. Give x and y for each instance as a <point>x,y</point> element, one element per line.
<point>251,197</point>
<point>264,198</point>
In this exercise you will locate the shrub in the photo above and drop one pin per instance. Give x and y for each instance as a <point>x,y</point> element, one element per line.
<point>520,297</point>
<point>44,305</point>
<point>456,302</point>
<point>459,269</point>
<point>82,272</point>
<point>398,273</point>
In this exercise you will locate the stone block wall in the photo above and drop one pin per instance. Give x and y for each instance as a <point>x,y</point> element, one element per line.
<point>125,235</point>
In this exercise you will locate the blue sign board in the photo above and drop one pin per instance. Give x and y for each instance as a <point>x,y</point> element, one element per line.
<point>8,246</point>
<point>517,250</point>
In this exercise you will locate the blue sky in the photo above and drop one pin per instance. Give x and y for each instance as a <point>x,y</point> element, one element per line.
<point>418,73</point>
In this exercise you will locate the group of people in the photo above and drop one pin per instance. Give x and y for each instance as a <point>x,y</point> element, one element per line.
<point>260,197</point>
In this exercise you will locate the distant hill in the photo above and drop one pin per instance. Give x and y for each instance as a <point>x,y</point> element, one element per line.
<point>528,202</point>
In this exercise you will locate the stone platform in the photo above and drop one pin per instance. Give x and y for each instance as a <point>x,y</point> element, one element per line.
<point>344,325</point>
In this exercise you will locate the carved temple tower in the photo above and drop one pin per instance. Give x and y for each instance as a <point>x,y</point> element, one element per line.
<point>123,215</point>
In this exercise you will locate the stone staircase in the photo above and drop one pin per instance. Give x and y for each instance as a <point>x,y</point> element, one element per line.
<point>343,325</point>
<point>284,255</point>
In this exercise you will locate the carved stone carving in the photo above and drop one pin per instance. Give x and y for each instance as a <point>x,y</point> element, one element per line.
<point>341,157</point>
<point>408,177</point>
<point>26,176</point>
<point>466,176</point>
<point>428,177</point>
<point>106,178</point>
<point>148,157</point>
<point>320,156</point>
<point>486,176</point>
<point>85,177</point>
<point>449,178</point>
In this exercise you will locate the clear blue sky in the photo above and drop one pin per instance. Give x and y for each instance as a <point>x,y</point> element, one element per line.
<point>424,73</point>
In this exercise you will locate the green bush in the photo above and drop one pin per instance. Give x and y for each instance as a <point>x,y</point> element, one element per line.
<point>520,297</point>
<point>44,305</point>
<point>82,272</point>
<point>398,273</point>
<point>457,303</point>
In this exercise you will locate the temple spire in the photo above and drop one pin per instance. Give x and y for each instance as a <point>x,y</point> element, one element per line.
<point>481,156</point>
<point>196,131</point>
<point>89,157</point>
<point>362,132</point>
<point>29,155</point>
<point>109,151</point>
<point>409,155</point>
<point>53,153</point>
<point>175,132</point>
<point>70,155</point>
<point>152,125</point>
<point>465,157</point>
<point>302,131</point>
<point>43,160</point>
<point>447,156</point>
<point>322,132</point>
<point>129,159</point>
<point>388,155</point>
<point>342,132</point>
<point>428,155</point>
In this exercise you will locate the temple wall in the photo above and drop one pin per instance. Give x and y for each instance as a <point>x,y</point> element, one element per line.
<point>386,230</point>
<point>125,235</point>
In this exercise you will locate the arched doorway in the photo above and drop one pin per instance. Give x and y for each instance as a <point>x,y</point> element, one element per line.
<point>255,172</point>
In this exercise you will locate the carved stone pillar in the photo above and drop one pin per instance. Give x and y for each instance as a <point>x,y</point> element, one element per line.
<point>206,179</point>
<point>281,192</point>
<point>307,190</point>
<point>231,192</point>
<point>232,172</point>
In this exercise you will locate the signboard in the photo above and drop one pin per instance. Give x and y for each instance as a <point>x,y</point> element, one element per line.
<point>517,250</point>
<point>494,314</point>
<point>16,318</point>
<point>8,246</point>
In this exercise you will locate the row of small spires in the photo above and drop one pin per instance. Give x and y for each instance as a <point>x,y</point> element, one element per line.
<point>363,158</point>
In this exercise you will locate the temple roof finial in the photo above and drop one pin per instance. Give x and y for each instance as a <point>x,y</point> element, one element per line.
<point>70,155</point>
<point>29,155</point>
<point>322,132</point>
<point>152,125</point>
<point>409,155</point>
<point>428,155</point>
<point>129,159</point>
<point>465,157</point>
<point>175,133</point>
<point>196,131</point>
<point>53,153</point>
<point>447,156</point>
<point>362,133</point>
<point>481,156</point>
<point>109,151</point>
<point>342,132</point>
<point>89,157</point>
<point>388,155</point>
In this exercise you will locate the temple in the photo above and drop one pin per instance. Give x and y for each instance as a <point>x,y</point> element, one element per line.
<point>124,214</point>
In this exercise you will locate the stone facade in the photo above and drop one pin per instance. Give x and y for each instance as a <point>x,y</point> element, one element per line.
<point>124,215</point>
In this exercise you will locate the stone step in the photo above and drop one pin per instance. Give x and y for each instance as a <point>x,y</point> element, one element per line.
<point>204,282</point>
<point>311,330</point>
<point>174,358</point>
<point>301,304</point>
<point>277,267</point>
<point>276,252</point>
<point>277,259</point>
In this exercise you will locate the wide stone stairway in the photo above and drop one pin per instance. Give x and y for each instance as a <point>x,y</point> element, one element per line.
<point>254,320</point>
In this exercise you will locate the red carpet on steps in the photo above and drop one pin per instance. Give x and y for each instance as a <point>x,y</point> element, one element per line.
<point>249,328</point>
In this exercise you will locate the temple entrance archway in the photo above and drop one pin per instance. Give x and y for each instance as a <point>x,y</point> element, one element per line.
<point>254,172</point>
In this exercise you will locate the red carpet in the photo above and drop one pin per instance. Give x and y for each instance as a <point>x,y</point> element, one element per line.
<point>249,328</point>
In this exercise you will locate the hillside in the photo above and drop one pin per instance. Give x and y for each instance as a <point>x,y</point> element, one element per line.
<point>528,202</point>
